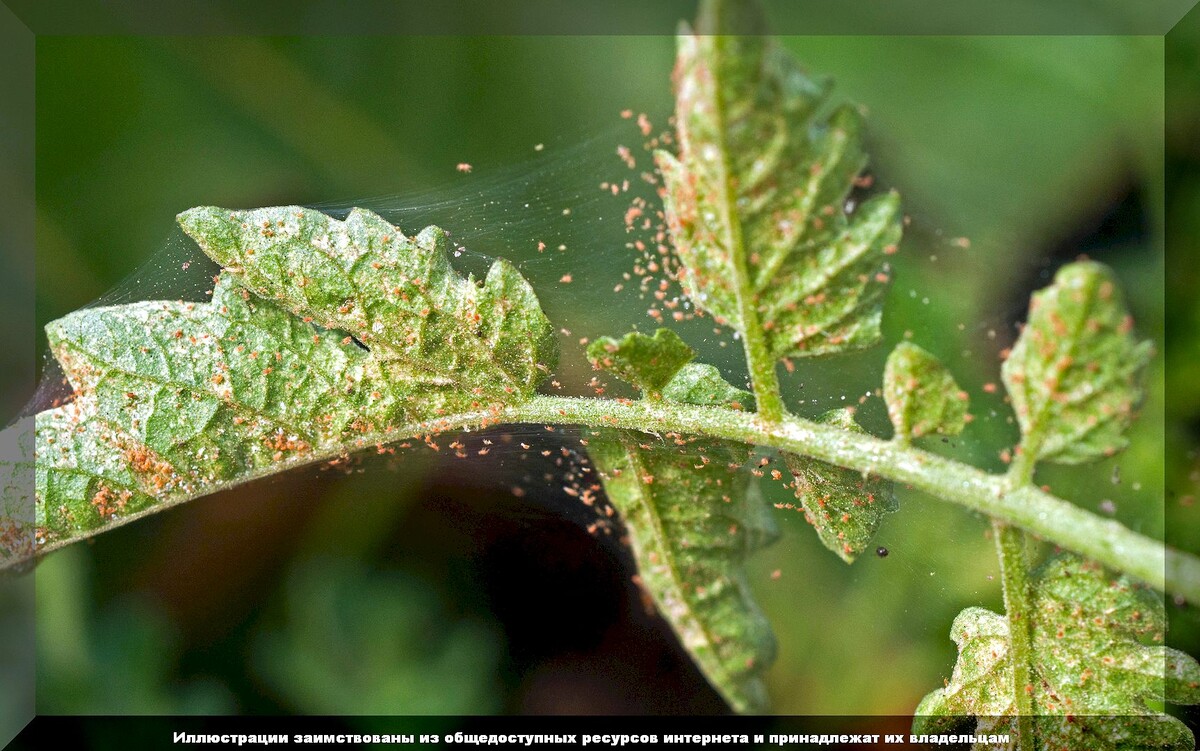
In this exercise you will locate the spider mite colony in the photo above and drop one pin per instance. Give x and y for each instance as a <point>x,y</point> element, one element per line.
<point>325,336</point>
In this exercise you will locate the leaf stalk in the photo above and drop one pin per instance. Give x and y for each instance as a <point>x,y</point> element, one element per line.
<point>1014,573</point>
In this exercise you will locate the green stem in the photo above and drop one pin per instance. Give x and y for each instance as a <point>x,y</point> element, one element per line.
<point>764,379</point>
<point>1020,472</point>
<point>1014,572</point>
<point>1027,507</point>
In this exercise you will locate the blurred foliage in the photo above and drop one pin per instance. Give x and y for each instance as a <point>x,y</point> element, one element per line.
<point>1012,156</point>
<point>1181,381</point>
<point>121,658</point>
<point>342,639</point>
<point>359,642</point>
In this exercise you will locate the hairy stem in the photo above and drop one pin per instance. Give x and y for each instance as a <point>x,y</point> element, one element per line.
<point>764,379</point>
<point>1014,572</point>
<point>1025,506</point>
<point>1020,472</point>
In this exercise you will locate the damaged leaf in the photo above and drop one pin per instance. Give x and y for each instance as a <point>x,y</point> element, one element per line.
<point>1098,658</point>
<point>1074,375</point>
<point>922,396</point>
<point>319,334</point>
<point>844,507</point>
<point>756,198</point>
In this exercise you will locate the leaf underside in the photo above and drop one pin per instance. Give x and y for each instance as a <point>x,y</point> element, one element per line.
<point>647,362</point>
<point>844,507</point>
<point>922,396</point>
<point>692,517</point>
<point>756,199</point>
<point>1074,374</point>
<point>320,335</point>
<point>692,521</point>
<point>1097,659</point>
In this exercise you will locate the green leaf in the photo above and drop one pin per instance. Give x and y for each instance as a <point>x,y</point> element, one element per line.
<point>660,367</point>
<point>399,296</point>
<point>922,396</point>
<point>755,200</point>
<point>702,384</point>
<point>1097,659</point>
<point>176,399</point>
<point>844,507</point>
<point>692,518</point>
<point>85,472</point>
<point>1074,374</point>
<point>647,362</point>
<point>692,521</point>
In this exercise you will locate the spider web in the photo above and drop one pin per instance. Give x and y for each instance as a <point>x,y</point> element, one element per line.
<point>581,222</point>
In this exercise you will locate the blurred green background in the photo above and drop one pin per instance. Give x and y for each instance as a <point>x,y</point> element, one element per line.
<point>419,584</point>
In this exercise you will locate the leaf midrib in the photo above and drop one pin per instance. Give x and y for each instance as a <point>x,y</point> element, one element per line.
<point>662,541</point>
<point>761,364</point>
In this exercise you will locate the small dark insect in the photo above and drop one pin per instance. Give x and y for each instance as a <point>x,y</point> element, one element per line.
<point>881,551</point>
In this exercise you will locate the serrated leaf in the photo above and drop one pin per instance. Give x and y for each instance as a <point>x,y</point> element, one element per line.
<point>395,294</point>
<point>332,332</point>
<point>1097,659</point>
<point>646,362</point>
<point>1074,373</point>
<point>755,200</point>
<point>843,506</point>
<point>692,518</point>
<point>922,396</point>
